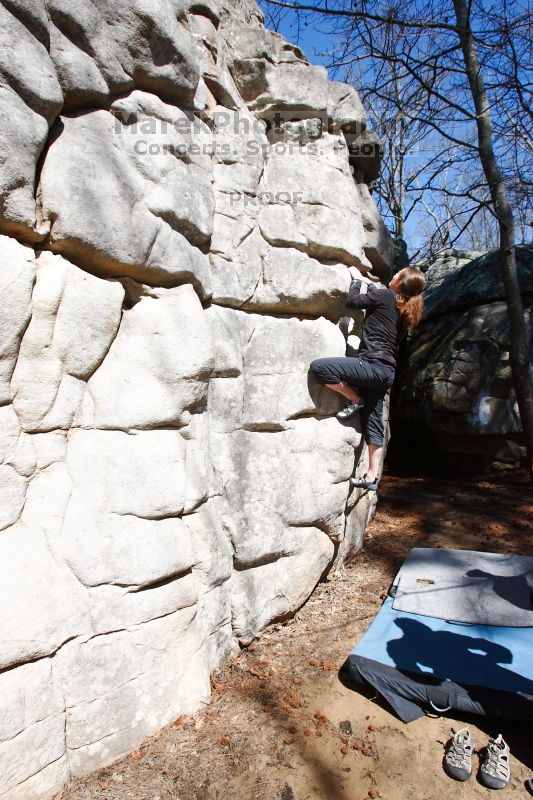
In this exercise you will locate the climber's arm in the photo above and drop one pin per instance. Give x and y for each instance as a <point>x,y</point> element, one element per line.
<point>357,300</point>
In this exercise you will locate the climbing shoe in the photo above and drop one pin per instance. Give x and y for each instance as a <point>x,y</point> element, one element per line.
<point>458,758</point>
<point>350,409</point>
<point>495,771</point>
<point>363,483</point>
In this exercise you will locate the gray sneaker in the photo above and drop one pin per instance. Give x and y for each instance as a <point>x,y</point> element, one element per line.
<point>458,758</point>
<point>495,771</point>
<point>350,409</point>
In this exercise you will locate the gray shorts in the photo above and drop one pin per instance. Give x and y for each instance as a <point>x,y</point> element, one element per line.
<point>370,379</point>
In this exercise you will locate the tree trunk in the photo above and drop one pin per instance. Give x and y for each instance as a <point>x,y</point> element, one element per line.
<point>518,348</point>
<point>401,189</point>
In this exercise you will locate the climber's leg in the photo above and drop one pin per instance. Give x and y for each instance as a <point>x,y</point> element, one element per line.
<point>345,390</point>
<point>353,371</point>
<point>343,373</point>
<point>373,381</point>
<point>372,419</point>
<point>334,373</point>
<point>375,454</point>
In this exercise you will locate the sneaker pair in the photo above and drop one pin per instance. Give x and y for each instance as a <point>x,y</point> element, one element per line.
<point>494,772</point>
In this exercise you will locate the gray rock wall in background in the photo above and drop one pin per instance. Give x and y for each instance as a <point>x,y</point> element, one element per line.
<point>456,383</point>
<point>172,481</point>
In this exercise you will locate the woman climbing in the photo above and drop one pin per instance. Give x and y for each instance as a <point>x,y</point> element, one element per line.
<point>365,379</point>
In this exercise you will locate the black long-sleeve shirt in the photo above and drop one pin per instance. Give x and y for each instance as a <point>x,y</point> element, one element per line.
<point>381,328</point>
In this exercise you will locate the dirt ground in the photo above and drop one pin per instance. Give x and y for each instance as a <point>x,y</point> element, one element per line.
<point>281,726</point>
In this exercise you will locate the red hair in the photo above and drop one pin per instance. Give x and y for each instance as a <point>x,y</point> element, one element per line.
<point>409,283</point>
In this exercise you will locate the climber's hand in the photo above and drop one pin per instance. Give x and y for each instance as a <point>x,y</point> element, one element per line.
<point>354,273</point>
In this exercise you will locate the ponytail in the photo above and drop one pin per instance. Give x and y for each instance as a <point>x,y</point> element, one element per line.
<point>409,284</point>
<point>411,310</point>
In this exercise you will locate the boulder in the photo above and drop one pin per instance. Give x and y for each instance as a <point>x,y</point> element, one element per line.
<point>284,89</point>
<point>35,624</point>
<point>141,473</point>
<point>99,183</point>
<point>116,608</point>
<point>365,153</point>
<point>31,96</point>
<point>45,783</point>
<point>12,495</point>
<point>74,319</point>
<point>446,262</point>
<point>267,360</point>
<point>285,280</point>
<point>462,279</point>
<point>216,83</point>
<point>212,570</point>
<point>274,591</point>
<point>456,381</point>
<point>32,731</point>
<point>276,501</point>
<point>156,668</point>
<point>379,244</point>
<point>37,748</point>
<point>17,276</point>
<point>113,47</point>
<point>314,230</point>
<point>139,388</point>
<point>247,43</point>
<point>180,214</point>
<point>345,109</point>
<point>274,76</point>
<point>118,549</point>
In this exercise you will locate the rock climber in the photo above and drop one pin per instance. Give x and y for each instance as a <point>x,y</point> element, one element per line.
<point>365,379</point>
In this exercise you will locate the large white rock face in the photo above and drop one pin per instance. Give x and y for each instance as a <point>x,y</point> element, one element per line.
<point>177,218</point>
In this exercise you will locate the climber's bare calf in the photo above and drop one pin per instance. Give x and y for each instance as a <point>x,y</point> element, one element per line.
<point>375,454</point>
<point>345,390</point>
<point>375,451</point>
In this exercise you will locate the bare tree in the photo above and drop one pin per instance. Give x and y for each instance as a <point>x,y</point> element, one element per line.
<point>394,115</point>
<point>464,63</point>
<point>518,351</point>
<point>446,222</point>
